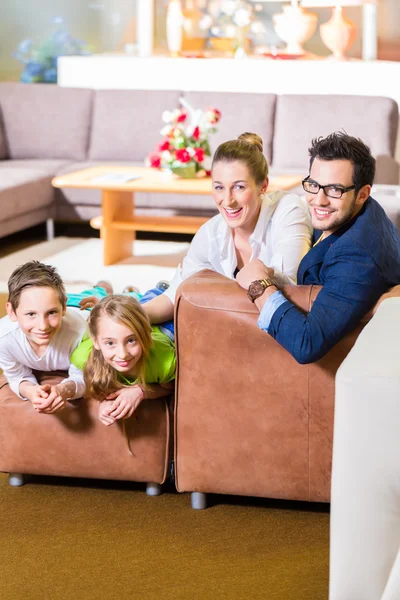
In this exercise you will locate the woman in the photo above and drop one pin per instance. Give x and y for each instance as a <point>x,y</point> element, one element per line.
<point>276,228</point>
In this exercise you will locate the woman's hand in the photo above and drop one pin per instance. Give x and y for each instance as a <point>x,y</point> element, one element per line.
<point>253,271</point>
<point>125,402</point>
<point>88,302</point>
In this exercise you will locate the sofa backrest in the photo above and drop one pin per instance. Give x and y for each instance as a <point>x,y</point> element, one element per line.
<point>240,112</point>
<point>299,118</point>
<point>45,121</point>
<point>126,123</point>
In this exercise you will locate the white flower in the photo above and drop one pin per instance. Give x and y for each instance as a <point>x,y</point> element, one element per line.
<point>167,116</point>
<point>166,156</point>
<point>242,17</point>
<point>206,164</point>
<point>228,7</point>
<point>166,130</point>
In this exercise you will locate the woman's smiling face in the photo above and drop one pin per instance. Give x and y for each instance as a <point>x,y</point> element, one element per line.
<point>236,194</point>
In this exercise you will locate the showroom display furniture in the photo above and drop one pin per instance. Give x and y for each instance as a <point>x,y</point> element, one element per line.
<point>365,519</point>
<point>47,131</point>
<point>74,443</point>
<point>249,420</point>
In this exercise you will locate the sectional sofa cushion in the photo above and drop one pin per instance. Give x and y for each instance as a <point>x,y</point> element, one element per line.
<point>300,118</point>
<point>46,121</point>
<point>24,190</point>
<point>240,112</point>
<point>126,123</point>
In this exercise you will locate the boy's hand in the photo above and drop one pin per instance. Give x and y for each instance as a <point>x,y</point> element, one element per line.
<point>104,410</point>
<point>125,402</point>
<point>37,394</point>
<point>56,399</point>
<point>88,302</point>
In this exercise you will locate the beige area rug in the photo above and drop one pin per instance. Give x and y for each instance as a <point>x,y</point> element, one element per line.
<point>80,263</point>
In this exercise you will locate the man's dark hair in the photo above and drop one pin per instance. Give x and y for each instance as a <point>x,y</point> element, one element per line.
<point>341,146</point>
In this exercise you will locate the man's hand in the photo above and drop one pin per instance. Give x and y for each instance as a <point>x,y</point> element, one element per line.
<point>252,271</point>
<point>123,403</point>
<point>88,302</point>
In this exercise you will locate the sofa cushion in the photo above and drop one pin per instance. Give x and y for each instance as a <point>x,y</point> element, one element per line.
<point>46,121</point>
<point>51,167</point>
<point>127,123</point>
<point>240,112</point>
<point>23,190</point>
<point>301,118</point>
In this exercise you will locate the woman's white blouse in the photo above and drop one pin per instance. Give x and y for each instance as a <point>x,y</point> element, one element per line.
<point>280,239</point>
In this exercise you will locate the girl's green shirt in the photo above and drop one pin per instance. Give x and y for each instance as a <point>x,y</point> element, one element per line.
<point>160,366</point>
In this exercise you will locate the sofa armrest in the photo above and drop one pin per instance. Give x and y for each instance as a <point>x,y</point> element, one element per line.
<point>208,289</point>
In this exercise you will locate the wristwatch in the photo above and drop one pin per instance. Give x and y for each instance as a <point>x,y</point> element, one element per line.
<point>258,287</point>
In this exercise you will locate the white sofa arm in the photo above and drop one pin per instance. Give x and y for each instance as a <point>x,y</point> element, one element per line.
<point>365,502</point>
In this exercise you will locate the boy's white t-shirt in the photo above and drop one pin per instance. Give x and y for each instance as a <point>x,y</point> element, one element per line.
<point>18,359</point>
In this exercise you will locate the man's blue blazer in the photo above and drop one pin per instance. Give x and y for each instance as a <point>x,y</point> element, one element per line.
<point>355,265</point>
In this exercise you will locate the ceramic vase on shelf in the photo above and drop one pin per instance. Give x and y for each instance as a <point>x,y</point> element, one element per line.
<point>174,25</point>
<point>338,33</point>
<point>294,25</point>
<point>194,37</point>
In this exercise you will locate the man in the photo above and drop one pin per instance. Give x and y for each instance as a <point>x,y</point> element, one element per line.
<point>356,258</point>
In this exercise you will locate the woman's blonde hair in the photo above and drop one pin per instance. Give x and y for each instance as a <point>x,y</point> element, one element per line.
<point>248,148</point>
<point>101,378</point>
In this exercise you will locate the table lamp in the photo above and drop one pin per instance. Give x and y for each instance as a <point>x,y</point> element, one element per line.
<point>338,34</point>
<point>295,26</point>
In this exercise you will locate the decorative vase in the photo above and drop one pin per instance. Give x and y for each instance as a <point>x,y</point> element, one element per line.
<point>174,25</point>
<point>194,37</point>
<point>338,33</point>
<point>295,26</point>
<point>187,171</point>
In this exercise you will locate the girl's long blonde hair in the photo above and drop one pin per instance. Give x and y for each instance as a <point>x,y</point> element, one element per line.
<point>100,377</point>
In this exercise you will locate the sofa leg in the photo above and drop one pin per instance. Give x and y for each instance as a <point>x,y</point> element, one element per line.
<point>199,500</point>
<point>15,479</point>
<point>50,229</point>
<point>153,489</point>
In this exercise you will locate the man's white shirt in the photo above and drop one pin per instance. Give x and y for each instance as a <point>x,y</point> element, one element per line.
<point>280,239</point>
<point>18,359</point>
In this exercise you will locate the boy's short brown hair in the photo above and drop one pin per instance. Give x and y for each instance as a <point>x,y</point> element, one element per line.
<point>34,274</point>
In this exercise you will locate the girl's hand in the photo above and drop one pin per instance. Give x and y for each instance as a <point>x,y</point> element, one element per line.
<point>104,413</point>
<point>125,402</point>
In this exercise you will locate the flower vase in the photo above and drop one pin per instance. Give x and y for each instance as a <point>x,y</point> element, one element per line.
<point>187,171</point>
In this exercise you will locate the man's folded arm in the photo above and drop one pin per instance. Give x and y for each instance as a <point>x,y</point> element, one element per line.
<point>350,289</point>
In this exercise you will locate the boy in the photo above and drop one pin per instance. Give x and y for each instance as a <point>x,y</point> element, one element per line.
<point>40,333</point>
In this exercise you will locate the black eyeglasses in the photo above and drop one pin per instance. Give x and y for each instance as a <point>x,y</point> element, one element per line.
<point>331,190</point>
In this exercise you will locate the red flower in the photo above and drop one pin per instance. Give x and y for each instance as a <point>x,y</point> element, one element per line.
<point>213,115</point>
<point>154,160</point>
<point>164,145</point>
<point>199,154</point>
<point>196,133</point>
<point>182,117</point>
<point>182,155</point>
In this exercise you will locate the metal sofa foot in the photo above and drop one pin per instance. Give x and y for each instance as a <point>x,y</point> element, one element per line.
<point>199,500</point>
<point>153,489</point>
<point>16,480</point>
<point>50,229</point>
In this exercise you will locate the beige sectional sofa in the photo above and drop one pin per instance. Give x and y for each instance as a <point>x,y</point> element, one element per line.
<point>48,130</point>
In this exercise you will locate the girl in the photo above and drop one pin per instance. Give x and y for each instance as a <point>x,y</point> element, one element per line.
<point>125,360</point>
<point>252,224</point>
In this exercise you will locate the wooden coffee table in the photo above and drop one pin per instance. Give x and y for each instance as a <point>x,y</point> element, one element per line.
<point>119,222</point>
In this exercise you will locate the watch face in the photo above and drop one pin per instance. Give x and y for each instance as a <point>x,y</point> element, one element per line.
<point>256,288</point>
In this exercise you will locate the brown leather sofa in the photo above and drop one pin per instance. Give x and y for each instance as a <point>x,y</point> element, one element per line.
<point>74,443</point>
<point>249,420</point>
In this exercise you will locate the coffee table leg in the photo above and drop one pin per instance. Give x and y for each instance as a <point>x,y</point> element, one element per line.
<point>117,206</point>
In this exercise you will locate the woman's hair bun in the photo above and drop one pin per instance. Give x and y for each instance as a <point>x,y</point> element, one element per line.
<point>252,138</point>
